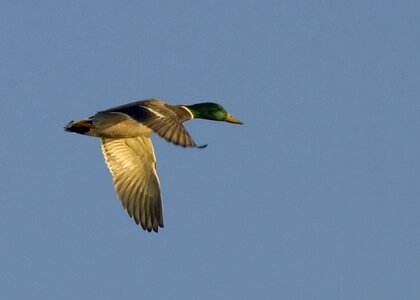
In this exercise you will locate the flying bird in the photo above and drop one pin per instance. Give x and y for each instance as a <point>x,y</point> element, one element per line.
<point>125,139</point>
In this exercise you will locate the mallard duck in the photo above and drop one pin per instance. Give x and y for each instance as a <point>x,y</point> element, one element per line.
<point>125,139</point>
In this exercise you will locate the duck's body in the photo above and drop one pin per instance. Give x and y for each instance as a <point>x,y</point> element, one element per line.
<point>125,138</point>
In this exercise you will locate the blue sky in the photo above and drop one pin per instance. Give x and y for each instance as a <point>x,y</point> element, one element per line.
<point>315,197</point>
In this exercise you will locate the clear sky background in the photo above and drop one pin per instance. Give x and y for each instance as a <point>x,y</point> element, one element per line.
<point>315,197</point>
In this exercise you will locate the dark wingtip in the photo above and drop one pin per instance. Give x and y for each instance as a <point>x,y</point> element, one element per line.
<point>202,146</point>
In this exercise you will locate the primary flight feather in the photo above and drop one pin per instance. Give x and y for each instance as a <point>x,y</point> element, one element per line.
<point>125,139</point>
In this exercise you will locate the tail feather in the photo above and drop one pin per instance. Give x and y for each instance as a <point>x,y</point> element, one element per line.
<point>80,126</point>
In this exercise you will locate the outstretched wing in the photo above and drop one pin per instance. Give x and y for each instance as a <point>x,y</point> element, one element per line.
<point>132,164</point>
<point>170,128</point>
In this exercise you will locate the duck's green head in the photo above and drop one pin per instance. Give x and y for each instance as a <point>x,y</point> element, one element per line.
<point>211,111</point>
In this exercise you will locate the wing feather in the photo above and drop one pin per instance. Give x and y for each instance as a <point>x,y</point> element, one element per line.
<point>132,164</point>
<point>160,117</point>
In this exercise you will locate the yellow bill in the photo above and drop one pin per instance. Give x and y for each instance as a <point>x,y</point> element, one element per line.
<point>231,119</point>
